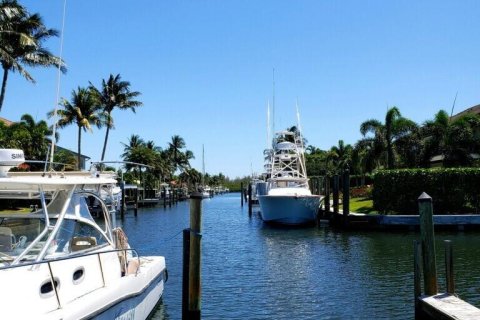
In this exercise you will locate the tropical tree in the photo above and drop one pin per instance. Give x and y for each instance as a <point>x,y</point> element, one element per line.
<point>462,140</point>
<point>191,177</point>
<point>65,160</point>
<point>341,155</point>
<point>175,147</point>
<point>134,141</point>
<point>22,37</point>
<point>114,93</point>
<point>31,137</point>
<point>383,141</point>
<point>434,133</point>
<point>82,110</point>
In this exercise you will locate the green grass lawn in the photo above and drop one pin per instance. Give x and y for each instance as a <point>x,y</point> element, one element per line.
<point>362,205</point>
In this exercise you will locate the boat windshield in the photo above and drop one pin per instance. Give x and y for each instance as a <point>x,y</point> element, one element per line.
<point>23,233</point>
<point>16,232</point>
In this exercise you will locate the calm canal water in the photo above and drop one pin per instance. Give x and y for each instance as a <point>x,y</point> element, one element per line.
<point>254,271</point>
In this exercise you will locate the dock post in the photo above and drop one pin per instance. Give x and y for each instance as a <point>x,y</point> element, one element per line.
<point>249,199</point>
<point>122,205</point>
<point>335,193</point>
<point>135,210</point>
<point>428,244</point>
<point>185,269</point>
<point>326,201</point>
<point>170,195</point>
<point>194,278</point>
<point>346,194</point>
<point>164,197</point>
<point>449,267</point>
<point>417,282</point>
<point>241,193</point>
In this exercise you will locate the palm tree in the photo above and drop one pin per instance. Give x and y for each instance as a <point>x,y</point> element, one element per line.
<point>385,135</point>
<point>341,155</point>
<point>35,143</point>
<point>133,142</point>
<point>462,140</point>
<point>82,110</point>
<point>22,39</point>
<point>115,94</point>
<point>175,149</point>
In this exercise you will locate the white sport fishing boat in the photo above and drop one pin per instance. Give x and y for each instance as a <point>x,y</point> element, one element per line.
<point>57,262</point>
<point>288,199</point>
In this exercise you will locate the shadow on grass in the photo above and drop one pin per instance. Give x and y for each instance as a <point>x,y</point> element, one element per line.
<point>362,205</point>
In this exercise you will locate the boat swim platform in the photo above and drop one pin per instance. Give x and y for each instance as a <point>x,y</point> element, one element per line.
<point>446,306</point>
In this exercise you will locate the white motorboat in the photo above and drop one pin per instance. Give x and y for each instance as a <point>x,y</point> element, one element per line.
<point>57,262</point>
<point>288,199</point>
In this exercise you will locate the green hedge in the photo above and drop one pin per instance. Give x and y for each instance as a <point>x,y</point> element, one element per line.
<point>452,190</point>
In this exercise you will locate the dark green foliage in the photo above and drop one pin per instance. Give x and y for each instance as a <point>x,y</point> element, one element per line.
<point>453,190</point>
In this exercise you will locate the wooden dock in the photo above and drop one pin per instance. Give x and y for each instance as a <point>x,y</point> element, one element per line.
<point>447,306</point>
<point>431,304</point>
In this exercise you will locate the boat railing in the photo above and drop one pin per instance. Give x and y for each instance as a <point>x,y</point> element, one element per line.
<point>70,257</point>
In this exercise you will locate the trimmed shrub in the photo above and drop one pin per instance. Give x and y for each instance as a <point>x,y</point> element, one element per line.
<point>453,190</point>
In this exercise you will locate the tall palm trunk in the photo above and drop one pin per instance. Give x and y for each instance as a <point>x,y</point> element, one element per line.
<point>79,147</point>
<point>106,137</point>
<point>4,85</point>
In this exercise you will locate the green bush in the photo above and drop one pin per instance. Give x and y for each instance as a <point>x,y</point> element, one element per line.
<point>454,190</point>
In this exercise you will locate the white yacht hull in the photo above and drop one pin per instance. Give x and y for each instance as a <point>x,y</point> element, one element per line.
<point>289,209</point>
<point>133,296</point>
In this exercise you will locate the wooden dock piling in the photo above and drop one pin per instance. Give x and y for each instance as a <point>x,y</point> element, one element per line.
<point>327,195</point>
<point>194,278</point>
<point>346,195</point>
<point>434,305</point>
<point>135,210</point>
<point>164,197</point>
<point>450,281</point>
<point>250,202</point>
<point>428,244</point>
<point>185,276</point>
<point>241,193</point>
<point>335,193</point>
<point>417,276</point>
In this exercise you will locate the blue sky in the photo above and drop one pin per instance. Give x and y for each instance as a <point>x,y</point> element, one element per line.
<point>205,69</point>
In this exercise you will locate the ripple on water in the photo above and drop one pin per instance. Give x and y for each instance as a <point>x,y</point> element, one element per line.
<point>253,271</point>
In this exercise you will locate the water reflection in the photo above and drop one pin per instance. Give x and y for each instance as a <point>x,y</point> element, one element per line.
<point>254,271</point>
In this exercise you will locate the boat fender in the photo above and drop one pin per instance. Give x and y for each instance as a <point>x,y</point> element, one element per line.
<point>132,266</point>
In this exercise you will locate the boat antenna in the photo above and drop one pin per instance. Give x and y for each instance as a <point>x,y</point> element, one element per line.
<point>299,125</point>
<point>273,106</point>
<point>302,153</point>
<point>453,106</point>
<point>268,124</point>
<point>52,150</point>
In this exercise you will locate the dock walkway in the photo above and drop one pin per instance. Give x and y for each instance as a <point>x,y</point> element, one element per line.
<point>447,306</point>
